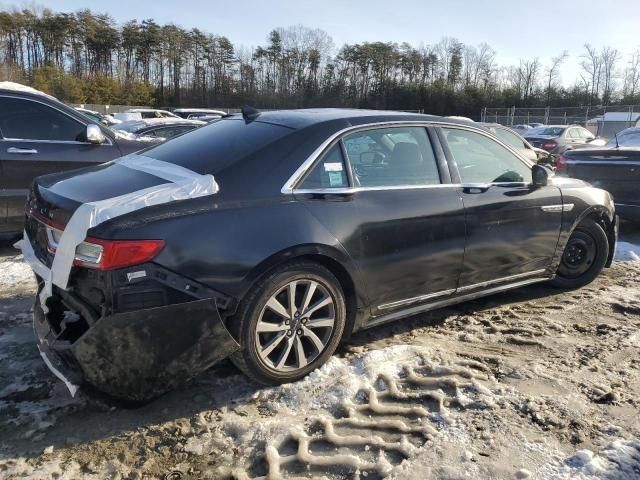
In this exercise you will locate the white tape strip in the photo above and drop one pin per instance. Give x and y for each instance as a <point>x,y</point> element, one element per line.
<point>72,387</point>
<point>185,184</point>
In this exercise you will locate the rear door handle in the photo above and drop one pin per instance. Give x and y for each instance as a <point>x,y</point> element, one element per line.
<point>22,151</point>
<point>475,187</point>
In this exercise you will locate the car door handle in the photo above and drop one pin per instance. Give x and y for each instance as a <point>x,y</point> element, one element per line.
<point>22,151</point>
<point>475,187</point>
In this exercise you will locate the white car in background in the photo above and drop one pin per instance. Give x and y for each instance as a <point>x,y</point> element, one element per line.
<point>198,113</point>
<point>143,113</point>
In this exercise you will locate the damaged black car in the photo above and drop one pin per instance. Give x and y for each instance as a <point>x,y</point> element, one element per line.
<point>323,222</point>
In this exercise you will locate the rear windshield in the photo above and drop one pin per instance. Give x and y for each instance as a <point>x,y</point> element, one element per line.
<point>553,131</point>
<point>626,139</point>
<point>213,147</point>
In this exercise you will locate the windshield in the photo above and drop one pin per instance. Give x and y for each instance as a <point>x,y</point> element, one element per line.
<point>215,146</point>
<point>551,131</point>
<point>626,138</point>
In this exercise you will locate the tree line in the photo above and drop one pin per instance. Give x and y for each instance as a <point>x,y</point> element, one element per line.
<point>86,57</point>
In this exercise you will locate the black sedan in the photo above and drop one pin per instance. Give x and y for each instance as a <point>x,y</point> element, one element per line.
<point>615,168</point>
<point>325,222</point>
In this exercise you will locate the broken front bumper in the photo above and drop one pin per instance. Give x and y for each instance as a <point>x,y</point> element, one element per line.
<point>140,354</point>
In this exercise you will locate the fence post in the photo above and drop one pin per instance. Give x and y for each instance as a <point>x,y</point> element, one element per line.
<point>547,112</point>
<point>586,116</point>
<point>565,118</point>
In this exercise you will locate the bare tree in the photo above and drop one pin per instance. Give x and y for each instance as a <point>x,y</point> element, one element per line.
<point>608,59</point>
<point>592,66</point>
<point>553,72</point>
<point>632,76</point>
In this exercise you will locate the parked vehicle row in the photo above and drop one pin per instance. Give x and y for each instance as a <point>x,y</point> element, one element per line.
<point>362,217</point>
<point>614,167</point>
<point>164,128</point>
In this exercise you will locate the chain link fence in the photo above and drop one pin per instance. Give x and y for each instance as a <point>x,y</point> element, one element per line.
<point>601,120</point>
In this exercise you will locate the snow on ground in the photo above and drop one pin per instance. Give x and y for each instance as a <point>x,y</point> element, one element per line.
<point>534,383</point>
<point>627,252</point>
<point>15,272</point>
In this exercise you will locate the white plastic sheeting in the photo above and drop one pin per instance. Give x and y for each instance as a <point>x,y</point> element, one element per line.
<point>183,184</point>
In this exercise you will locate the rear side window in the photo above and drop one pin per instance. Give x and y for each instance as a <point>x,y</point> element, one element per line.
<point>400,156</point>
<point>330,172</point>
<point>213,147</point>
<point>29,120</point>
<point>508,137</point>
<point>573,133</point>
<point>481,159</point>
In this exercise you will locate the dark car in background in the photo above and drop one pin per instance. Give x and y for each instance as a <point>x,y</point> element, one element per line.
<point>40,135</point>
<point>614,167</point>
<point>556,139</point>
<point>164,128</point>
<point>327,221</point>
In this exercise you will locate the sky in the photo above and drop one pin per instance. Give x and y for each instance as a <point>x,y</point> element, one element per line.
<point>515,29</point>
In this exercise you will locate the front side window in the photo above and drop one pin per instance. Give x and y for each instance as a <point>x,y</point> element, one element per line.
<point>29,120</point>
<point>481,159</point>
<point>573,133</point>
<point>392,157</point>
<point>329,172</point>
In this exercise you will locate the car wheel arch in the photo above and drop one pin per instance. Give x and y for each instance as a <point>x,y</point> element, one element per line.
<point>601,215</point>
<point>338,263</point>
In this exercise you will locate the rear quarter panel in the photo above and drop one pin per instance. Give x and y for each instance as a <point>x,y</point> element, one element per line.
<point>229,246</point>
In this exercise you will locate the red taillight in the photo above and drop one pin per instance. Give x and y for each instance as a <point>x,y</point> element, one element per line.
<point>561,163</point>
<point>550,145</point>
<point>112,254</point>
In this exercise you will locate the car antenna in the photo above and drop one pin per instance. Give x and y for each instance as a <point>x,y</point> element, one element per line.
<point>249,113</point>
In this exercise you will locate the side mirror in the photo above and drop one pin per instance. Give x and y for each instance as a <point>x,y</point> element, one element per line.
<point>540,175</point>
<point>94,134</point>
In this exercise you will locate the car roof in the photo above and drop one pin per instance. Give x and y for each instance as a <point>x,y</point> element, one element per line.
<point>298,119</point>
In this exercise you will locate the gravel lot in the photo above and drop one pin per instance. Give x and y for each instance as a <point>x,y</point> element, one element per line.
<point>533,383</point>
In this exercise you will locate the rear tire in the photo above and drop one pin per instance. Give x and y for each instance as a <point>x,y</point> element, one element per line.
<point>584,256</point>
<point>282,341</point>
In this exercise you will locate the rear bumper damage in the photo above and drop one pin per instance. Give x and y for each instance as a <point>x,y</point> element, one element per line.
<point>135,355</point>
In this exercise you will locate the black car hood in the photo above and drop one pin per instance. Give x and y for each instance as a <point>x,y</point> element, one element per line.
<point>567,182</point>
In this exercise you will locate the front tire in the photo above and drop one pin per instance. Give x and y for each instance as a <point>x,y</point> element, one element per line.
<point>290,323</point>
<point>584,256</point>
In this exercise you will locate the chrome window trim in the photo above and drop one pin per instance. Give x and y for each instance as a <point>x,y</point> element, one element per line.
<point>66,142</point>
<point>349,190</point>
<point>289,187</point>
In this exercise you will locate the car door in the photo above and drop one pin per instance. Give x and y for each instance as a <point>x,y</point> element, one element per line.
<point>384,193</point>
<point>39,139</point>
<point>512,226</point>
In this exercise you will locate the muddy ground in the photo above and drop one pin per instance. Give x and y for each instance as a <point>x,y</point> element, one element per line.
<point>533,383</point>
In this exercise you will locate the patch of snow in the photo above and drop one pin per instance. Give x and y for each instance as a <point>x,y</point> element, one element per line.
<point>627,252</point>
<point>15,272</point>
<point>620,460</point>
<point>18,87</point>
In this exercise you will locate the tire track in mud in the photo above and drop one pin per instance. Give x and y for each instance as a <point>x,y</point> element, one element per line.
<point>380,427</point>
